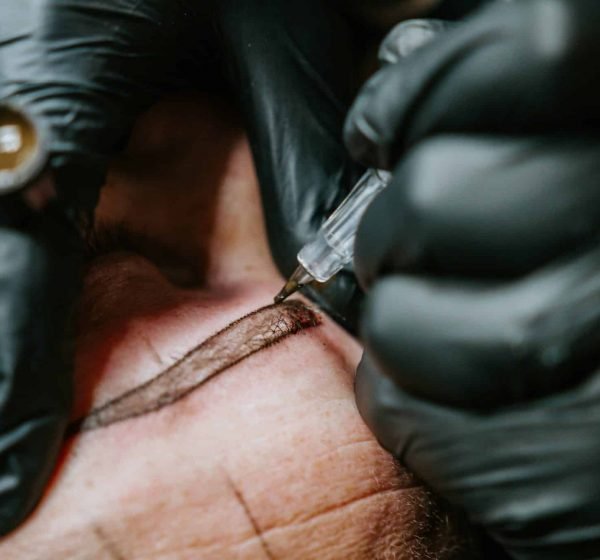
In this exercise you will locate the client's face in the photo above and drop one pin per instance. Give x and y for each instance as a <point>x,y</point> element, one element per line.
<point>241,448</point>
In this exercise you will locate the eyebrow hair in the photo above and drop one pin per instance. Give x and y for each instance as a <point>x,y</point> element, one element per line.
<point>236,342</point>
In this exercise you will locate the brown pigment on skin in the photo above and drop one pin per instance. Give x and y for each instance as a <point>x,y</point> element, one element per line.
<point>236,342</point>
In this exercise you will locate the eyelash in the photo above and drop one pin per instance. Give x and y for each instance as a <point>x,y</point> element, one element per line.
<point>182,270</point>
<point>102,240</point>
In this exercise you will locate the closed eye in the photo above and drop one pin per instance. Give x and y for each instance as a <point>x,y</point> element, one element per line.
<point>104,239</point>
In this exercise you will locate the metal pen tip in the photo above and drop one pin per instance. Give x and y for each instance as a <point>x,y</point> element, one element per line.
<point>300,278</point>
<point>290,288</point>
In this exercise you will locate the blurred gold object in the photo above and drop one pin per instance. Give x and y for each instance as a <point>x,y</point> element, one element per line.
<point>22,152</point>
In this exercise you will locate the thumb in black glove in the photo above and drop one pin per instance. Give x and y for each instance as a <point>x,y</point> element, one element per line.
<point>40,272</point>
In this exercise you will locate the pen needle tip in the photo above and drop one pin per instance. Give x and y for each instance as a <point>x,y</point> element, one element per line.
<point>290,288</point>
<point>281,296</point>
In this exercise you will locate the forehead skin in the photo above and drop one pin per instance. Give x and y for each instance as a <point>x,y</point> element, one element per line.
<point>268,460</point>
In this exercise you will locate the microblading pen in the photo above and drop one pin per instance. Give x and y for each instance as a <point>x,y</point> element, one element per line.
<point>333,247</point>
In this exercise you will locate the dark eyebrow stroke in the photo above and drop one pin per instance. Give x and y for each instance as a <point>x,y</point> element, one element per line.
<point>234,343</point>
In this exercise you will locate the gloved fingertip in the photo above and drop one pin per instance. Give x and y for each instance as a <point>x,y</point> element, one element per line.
<point>409,36</point>
<point>362,140</point>
<point>371,387</point>
<point>383,237</point>
<point>400,329</point>
<point>362,389</point>
<point>381,316</point>
<point>27,457</point>
<point>371,126</point>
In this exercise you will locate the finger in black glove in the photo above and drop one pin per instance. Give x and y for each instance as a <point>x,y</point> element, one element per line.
<point>41,259</point>
<point>513,68</point>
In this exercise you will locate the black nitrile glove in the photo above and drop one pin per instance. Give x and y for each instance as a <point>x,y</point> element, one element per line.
<point>294,66</point>
<point>482,262</point>
<point>84,69</point>
<point>40,272</point>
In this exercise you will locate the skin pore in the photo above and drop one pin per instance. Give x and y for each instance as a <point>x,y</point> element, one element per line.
<point>269,459</point>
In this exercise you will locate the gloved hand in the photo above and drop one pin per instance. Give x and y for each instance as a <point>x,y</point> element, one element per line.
<point>482,323</point>
<point>83,70</point>
<point>294,68</point>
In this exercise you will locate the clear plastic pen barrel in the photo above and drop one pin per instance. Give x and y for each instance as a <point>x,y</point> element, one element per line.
<point>333,247</point>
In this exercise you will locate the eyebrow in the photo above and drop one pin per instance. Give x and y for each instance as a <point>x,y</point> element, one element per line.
<point>236,342</point>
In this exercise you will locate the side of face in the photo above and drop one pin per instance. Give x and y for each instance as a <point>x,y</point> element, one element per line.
<point>270,459</point>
